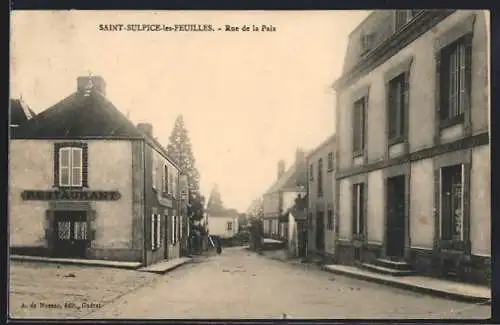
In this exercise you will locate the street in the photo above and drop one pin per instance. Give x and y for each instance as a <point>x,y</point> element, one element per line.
<point>241,284</point>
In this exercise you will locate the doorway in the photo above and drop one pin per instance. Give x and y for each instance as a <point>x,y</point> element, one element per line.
<point>320,232</point>
<point>396,218</point>
<point>71,234</point>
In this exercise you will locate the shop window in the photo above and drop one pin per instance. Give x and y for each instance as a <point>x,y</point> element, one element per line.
<point>452,203</point>
<point>358,218</point>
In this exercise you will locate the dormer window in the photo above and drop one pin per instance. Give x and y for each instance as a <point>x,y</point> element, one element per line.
<point>367,42</point>
<point>403,17</point>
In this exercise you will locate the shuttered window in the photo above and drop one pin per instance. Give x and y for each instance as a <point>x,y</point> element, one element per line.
<point>70,166</point>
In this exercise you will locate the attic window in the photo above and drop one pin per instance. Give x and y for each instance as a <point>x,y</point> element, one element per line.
<point>403,17</point>
<point>367,42</point>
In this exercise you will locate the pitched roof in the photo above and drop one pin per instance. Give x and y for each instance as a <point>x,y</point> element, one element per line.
<point>285,181</point>
<point>19,112</point>
<point>79,116</point>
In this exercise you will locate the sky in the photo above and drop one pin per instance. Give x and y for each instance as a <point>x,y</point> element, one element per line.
<point>248,98</point>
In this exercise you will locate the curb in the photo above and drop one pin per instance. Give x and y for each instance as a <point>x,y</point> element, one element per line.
<point>110,264</point>
<point>414,288</point>
<point>171,268</point>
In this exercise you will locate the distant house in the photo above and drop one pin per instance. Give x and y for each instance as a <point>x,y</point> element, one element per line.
<point>297,228</point>
<point>281,196</point>
<point>86,182</point>
<point>321,199</point>
<point>224,224</point>
<point>20,112</point>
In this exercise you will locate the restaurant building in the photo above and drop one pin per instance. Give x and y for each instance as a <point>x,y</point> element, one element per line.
<point>413,145</point>
<point>85,182</point>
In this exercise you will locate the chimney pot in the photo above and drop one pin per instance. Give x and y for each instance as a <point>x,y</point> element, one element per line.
<point>146,128</point>
<point>91,83</point>
<point>281,168</point>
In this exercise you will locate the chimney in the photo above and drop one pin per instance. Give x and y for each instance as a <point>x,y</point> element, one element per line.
<point>91,83</point>
<point>300,163</point>
<point>146,128</point>
<point>281,168</point>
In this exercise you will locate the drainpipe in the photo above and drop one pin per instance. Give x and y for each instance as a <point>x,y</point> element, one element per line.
<point>144,245</point>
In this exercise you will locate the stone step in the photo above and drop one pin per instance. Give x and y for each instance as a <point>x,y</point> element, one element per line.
<point>386,270</point>
<point>393,264</point>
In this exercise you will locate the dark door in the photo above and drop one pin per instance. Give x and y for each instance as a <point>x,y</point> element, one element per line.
<point>71,234</point>
<point>396,211</point>
<point>320,232</point>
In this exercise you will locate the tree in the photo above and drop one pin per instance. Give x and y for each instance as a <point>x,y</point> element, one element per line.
<point>196,207</point>
<point>256,208</point>
<point>215,205</point>
<point>180,151</point>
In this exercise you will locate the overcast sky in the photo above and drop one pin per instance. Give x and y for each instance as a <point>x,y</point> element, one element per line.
<point>248,98</point>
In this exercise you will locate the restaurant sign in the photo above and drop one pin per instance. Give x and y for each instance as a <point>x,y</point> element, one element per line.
<point>70,195</point>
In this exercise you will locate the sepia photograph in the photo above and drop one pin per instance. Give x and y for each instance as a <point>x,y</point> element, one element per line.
<point>189,164</point>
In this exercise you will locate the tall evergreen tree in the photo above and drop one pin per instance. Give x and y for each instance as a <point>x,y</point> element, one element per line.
<point>215,204</point>
<point>179,149</point>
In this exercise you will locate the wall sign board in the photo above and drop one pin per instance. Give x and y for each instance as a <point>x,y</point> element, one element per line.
<point>70,195</point>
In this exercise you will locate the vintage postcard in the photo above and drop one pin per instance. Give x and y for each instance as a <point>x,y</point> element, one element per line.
<point>249,164</point>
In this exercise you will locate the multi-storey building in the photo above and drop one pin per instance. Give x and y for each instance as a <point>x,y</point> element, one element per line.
<point>282,194</point>
<point>413,154</point>
<point>321,199</point>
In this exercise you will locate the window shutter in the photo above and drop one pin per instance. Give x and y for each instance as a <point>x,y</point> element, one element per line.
<point>180,227</point>
<point>153,232</point>
<point>353,209</point>
<point>85,166</point>
<point>173,228</point>
<point>56,164</point>
<point>158,233</point>
<point>76,166</point>
<point>64,166</point>
<point>468,72</point>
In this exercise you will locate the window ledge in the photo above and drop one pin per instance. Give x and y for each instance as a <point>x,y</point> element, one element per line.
<point>444,124</point>
<point>396,140</point>
<point>70,187</point>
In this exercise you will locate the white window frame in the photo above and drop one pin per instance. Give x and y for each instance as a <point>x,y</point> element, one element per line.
<point>158,231</point>
<point>70,166</point>
<point>173,229</point>
<point>462,166</point>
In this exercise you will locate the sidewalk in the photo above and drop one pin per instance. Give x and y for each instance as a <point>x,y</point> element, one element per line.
<point>433,286</point>
<point>427,285</point>
<point>165,265</point>
<point>77,261</point>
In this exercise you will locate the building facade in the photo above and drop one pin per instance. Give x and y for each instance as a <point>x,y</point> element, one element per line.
<point>85,182</point>
<point>224,226</point>
<point>413,154</point>
<point>321,199</point>
<point>282,194</point>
